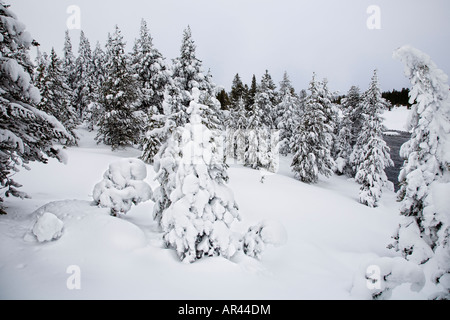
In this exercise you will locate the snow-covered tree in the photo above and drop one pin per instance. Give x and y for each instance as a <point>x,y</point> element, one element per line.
<point>84,82</point>
<point>119,124</point>
<point>69,61</point>
<point>343,145</point>
<point>287,114</point>
<point>94,109</point>
<point>266,99</point>
<point>371,154</point>
<point>425,176</point>
<point>122,186</point>
<point>351,103</point>
<point>202,208</point>
<point>313,137</point>
<point>26,133</point>
<point>56,98</point>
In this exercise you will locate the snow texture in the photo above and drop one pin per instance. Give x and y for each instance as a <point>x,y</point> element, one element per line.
<point>48,227</point>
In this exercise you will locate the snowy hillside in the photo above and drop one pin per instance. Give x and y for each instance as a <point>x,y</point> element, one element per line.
<point>330,235</point>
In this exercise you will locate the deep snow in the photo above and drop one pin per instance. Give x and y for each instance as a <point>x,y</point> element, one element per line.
<point>330,236</point>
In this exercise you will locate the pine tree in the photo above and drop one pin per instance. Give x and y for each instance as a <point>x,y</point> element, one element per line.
<point>84,86</point>
<point>98,77</point>
<point>153,77</point>
<point>251,93</point>
<point>352,104</point>
<point>371,155</point>
<point>26,133</point>
<point>266,100</point>
<point>424,178</point>
<point>69,61</point>
<point>313,137</point>
<point>56,96</point>
<point>237,91</point>
<point>119,126</point>
<point>287,114</point>
<point>197,222</point>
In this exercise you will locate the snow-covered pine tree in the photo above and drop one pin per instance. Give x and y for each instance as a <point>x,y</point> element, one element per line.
<point>69,62</point>
<point>237,132</point>
<point>287,114</point>
<point>197,222</point>
<point>352,104</point>
<point>153,75</point>
<point>84,82</point>
<point>425,176</point>
<point>187,73</point>
<point>312,139</point>
<point>119,125</point>
<point>56,95</point>
<point>98,77</point>
<point>267,99</point>
<point>371,154</point>
<point>26,133</point>
<point>152,72</point>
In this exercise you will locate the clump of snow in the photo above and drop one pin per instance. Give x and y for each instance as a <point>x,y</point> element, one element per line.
<point>378,278</point>
<point>122,186</point>
<point>48,227</point>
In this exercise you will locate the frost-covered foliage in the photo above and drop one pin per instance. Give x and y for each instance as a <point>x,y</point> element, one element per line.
<point>122,186</point>
<point>119,125</point>
<point>370,155</point>
<point>84,80</point>
<point>313,137</point>
<point>26,133</point>
<point>425,176</point>
<point>200,206</point>
<point>378,278</point>
<point>256,239</point>
<point>266,100</point>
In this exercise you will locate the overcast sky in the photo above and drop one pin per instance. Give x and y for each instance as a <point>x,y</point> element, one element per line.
<point>328,37</point>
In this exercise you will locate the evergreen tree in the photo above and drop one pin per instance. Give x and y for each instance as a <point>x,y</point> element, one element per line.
<point>69,62</point>
<point>287,114</point>
<point>352,104</point>
<point>119,125</point>
<point>55,93</point>
<point>424,178</point>
<point>266,100</point>
<point>251,94</point>
<point>313,137</point>
<point>98,77</point>
<point>237,91</point>
<point>26,133</point>
<point>197,222</point>
<point>84,86</point>
<point>371,154</point>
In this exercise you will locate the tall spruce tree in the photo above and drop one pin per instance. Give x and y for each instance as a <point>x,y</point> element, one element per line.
<point>26,133</point>
<point>287,114</point>
<point>311,143</point>
<point>84,86</point>
<point>119,125</point>
<point>56,97</point>
<point>371,154</point>
<point>98,77</point>
<point>424,233</point>
<point>266,99</point>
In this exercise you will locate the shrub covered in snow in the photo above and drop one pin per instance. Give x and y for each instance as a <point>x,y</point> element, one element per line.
<point>267,232</point>
<point>377,279</point>
<point>122,186</point>
<point>48,227</point>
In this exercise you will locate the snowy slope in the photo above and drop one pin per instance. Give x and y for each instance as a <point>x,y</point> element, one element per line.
<point>329,236</point>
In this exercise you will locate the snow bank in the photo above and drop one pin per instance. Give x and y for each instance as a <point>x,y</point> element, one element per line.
<point>48,227</point>
<point>397,119</point>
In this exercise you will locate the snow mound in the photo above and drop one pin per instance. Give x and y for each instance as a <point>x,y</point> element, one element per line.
<point>273,232</point>
<point>48,227</point>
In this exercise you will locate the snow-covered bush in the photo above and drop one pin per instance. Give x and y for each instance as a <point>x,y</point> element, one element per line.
<point>48,227</point>
<point>378,278</point>
<point>122,186</point>
<point>267,232</point>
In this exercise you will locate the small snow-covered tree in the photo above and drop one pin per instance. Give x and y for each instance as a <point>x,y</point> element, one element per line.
<point>313,137</point>
<point>425,175</point>
<point>371,154</point>
<point>122,186</point>
<point>26,133</point>
<point>343,145</point>
<point>202,208</point>
<point>119,124</point>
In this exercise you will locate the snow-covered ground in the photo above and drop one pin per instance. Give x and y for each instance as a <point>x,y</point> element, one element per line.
<point>330,235</point>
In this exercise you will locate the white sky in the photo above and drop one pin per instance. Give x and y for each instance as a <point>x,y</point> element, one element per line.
<point>328,37</point>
